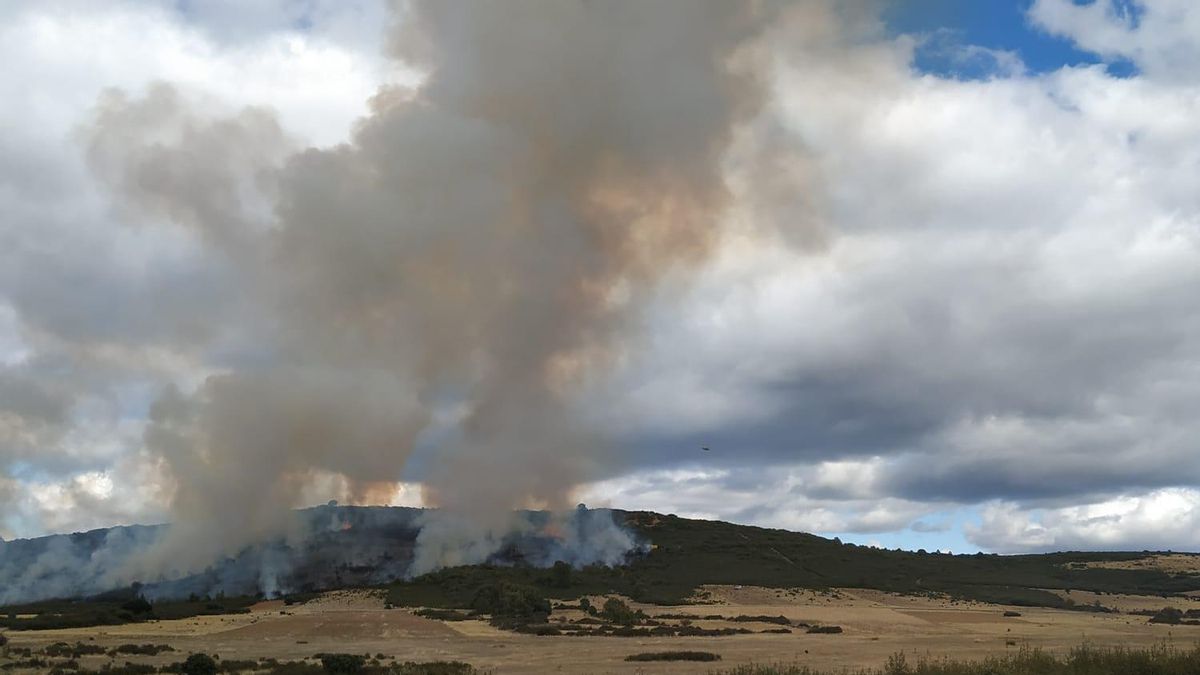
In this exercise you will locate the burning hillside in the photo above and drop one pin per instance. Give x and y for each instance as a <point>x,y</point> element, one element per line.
<point>330,547</point>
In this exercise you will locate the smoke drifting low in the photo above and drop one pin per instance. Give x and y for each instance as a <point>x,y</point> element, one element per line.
<point>327,547</point>
<point>451,277</point>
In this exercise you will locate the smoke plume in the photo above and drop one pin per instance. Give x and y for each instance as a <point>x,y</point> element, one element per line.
<point>449,278</point>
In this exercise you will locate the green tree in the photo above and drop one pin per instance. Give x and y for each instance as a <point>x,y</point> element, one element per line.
<point>510,600</point>
<point>199,664</point>
<point>560,575</point>
<point>342,664</point>
<point>616,611</point>
<point>138,605</point>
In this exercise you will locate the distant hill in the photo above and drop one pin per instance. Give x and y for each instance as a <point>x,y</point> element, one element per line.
<point>340,546</point>
<point>373,546</point>
<point>689,553</point>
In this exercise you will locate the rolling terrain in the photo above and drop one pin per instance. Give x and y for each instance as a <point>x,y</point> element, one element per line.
<point>730,595</point>
<point>371,547</point>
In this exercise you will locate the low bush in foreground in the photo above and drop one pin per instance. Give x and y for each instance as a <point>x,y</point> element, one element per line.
<point>443,614</point>
<point>1173,616</point>
<point>433,668</point>
<point>511,601</point>
<point>342,664</point>
<point>199,664</point>
<point>145,650</point>
<point>674,656</point>
<point>112,609</point>
<point>781,620</point>
<point>617,611</point>
<point>202,664</point>
<point>292,668</point>
<point>1085,660</point>
<point>62,649</point>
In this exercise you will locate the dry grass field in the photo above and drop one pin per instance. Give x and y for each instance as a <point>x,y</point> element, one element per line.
<point>876,624</point>
<point>1175,563</point>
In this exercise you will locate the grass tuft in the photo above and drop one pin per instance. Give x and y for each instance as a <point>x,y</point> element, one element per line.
<point>1162,659</point>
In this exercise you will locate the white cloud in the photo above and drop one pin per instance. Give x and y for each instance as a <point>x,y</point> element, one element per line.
<point>1007,291</point>
<point>76,282</point>
<point>131,489</point>
<point>775,496</point>
<point>1157,35</point>
<point>68,52</point>
<point>1166,519</point>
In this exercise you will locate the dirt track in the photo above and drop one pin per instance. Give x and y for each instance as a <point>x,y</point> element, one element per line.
<point>876,625</point>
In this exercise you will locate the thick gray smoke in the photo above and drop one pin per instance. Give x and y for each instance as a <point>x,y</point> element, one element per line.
<point>331,547</point>
<point>449,278</point>
<point>63,565</point>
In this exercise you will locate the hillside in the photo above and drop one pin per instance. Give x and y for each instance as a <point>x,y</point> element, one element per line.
<point>371,547</point>
<point>687,554</point>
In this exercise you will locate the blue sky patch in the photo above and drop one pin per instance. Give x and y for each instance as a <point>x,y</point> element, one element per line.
<point>981,39</point>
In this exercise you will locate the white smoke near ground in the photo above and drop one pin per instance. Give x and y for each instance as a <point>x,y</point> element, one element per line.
<point>579,538</point>
<point>327,547</point>
<point>63,566</point>
<point>588,537</point>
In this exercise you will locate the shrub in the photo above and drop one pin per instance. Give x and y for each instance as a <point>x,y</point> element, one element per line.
<point>674,656</point>
<point>129,669</point>
<point>58,649</point>
<point>1172,616</point>
<point>616,611</point>
<point>293,668</point>
<point>342,664</point>
<point>442,614</point>
<point>82,649</point>
<point>138,605</point>
<point>146,650</point>
<point>199,664</point>
<point>781,620</point>
<point>825,629</point>
<point>560,575</point>
<point>1012,613</point>
<point>539,629</point>
<point>510,600</point>
<point>299,598</point>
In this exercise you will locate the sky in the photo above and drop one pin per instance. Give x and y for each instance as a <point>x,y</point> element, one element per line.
<point>952,305</point>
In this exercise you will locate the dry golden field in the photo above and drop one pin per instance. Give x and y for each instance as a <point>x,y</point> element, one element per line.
<point>876,624</point>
